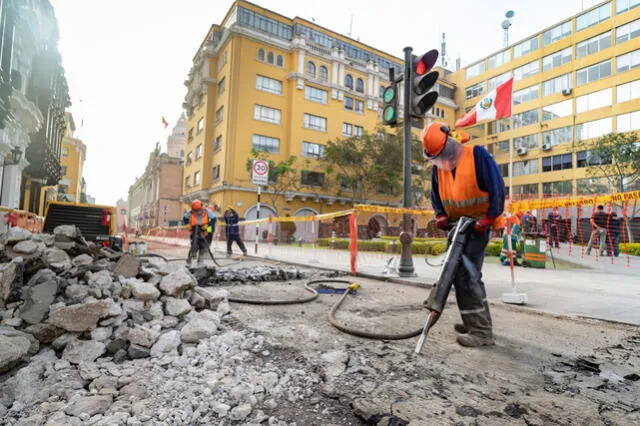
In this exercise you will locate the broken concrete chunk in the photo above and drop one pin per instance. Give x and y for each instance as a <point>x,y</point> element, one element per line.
<point>127,266</point>
<point>197,329</point>
<point>26,247</point>
<point>79,351</point>
<point>11,280</point>
<point>81,317</point>
<point>68,231</point>
<point>13,350</point>
<point>143,336</point>
<point>90,405</point>
<point>44,333</point>
<point>82,260</point>
<point>176,307</point>
<point>167,344</point>
<point>15,235</point>
<point>144,291</point>
<point>57,259</point>
<point>37,301</point>
<point>176,283</point>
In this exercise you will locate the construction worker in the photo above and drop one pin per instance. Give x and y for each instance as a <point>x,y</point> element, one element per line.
<point>212,225</point>
<point>198,221</point>
<point>231,218</point>
<point>466,182</point>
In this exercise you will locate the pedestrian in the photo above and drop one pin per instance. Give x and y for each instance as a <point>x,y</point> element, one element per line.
<point>198,220</point>
<point>598,230</point>
<point>615,234</point>
<point>212,225</point>
<point>528,222</point>
<point>466,182</point>
<point>554,219</point>
<point>231,219</point>
<point>516,235</point>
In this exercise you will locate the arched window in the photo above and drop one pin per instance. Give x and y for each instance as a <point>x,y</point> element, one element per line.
<point>360,85</point>
<point>311,69</point>
<point>382,91</point>
<point>270,58</point>
<point>324,73</point>
<point>261,55</point>
<point>348,81</point>
<point>280,61</point>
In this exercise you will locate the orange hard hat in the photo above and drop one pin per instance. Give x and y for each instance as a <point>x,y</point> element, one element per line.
<point>434,137</point>
<point>196,205</point>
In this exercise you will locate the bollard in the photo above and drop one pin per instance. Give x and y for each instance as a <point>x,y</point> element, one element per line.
<point>333,239</point>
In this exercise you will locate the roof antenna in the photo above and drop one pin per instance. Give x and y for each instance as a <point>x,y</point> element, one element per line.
<point>351,25</point>
<point>443,51</point>
<point>505,26</point>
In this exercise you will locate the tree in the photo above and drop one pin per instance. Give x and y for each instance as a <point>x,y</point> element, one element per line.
<point>284,176</point>
<point>614,157</point>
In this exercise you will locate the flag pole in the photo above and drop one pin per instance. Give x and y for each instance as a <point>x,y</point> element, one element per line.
<point>510,160</point>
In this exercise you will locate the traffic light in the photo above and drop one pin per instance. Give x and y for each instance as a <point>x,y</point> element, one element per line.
<point>423,80</point>
<point>390,104</point>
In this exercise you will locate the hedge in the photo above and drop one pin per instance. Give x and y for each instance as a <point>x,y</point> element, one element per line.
<point>630,248</point>
<point>433,247</point>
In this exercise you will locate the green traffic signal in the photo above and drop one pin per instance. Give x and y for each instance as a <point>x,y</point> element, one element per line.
<point>389,114</point>
<point>389,94</point>
<point>390,105</point>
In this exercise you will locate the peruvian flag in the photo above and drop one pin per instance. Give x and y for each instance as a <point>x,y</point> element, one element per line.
<point>496,105</point>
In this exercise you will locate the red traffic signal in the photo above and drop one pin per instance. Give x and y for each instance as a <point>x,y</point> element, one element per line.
<point>423,64</point>
<point>422,100</point>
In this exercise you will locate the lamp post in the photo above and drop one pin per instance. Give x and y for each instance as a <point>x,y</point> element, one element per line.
<point>16,156</point>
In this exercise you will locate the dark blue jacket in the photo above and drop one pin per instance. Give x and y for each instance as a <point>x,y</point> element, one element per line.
<point>232,219</point>
<point>489,180</point>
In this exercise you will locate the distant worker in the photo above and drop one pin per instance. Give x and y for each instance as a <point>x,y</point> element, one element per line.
<point>198,220</point>
<point>231,219</point>
<point>615,235</point>
<point>466,182</point>
<point>598,230</point>
<point>212,225</point>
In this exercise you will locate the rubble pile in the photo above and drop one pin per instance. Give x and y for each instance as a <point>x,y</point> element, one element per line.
<point>209,276</point>
<point>92,336</point>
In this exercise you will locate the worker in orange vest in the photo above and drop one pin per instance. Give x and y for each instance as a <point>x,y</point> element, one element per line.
<point>466,182</point>
<point>198,220</point>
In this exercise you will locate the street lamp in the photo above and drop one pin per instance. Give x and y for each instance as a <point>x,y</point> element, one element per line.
<point>16,156</point>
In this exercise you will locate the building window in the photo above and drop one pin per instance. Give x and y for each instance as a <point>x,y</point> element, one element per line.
<point>560,109</point>
<point>594,72</point>
<point>588,158</point>
<point>261,55</point>
<point>200,126</point>
<point>218,143</point>
<point>557,136</point>
<point>315,95</point>
<point>498,126</point>
<point>523,192</point>
<point>348,103</point>
<point>315,122</point>
<point>628,91</point>
<point>496,81</point>
<point>270,58</point>
<point>444,91</point>
<point>311,69</point>
<point>359,106</point>
<point>324,73</point>
<point>556,85</point>
<point>357,131</point>
<point>628,31</point>
<point>312,178</point>
<point>556,33</point>
<point>475,69</point>
<point>187,182</point>
<point>593,45</point>
<point>266,144</point>
<point>593,186</point>
<point>189,158</point>
<point>497,147</point>
<point>215,173</point>
<point>221,84</point>
<point>525,47</point>
<point>498,59</point>
<point>527,70</point>
<point>347,129</point>
<point>198,151</point>
<point>556,59</point>
<point>360,85</point>
<point>190,135</point>
<point>220,114</point>
<point>65,151</point>
<point>348,82</point>
<point>527,167</point>
<point>64,170</point>
<point>593,17</point>
<point>269,85</point>
<point>593,129</point>
<point>628,122</point>
<point>526,94</point>
<point>312,150</point>
<point>196,178</point>
<point>504,170</point>
<point>222,61</point>
<point>529,141</point>
<point>280,61</point>
<point>561,187</point>
<point>624,5</point>
<point>473,91</point>
<point>525,118</point>
<point>266,114</point>
<point>381,91</point>
<point>628,62</point>
<point>557,162</point>
<point>594,100</point>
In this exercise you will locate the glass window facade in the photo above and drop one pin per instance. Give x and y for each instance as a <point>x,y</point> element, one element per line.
<point>525,47</point>
<point>628,91</point>
<point>529,141</point>
<point>266,114</point>
<point>527,167</point>
<point>557,110</point>
<point>558,136</point>
<point>593,45</point>
<point>315,122</point>
<point>498,59</point>
<point>594,72</point>
<point>625,5</point>
<point>556,59</point>
<point>557,162</point>
<point>473,91</point>
<point>312,150</point>
<point>599,99</point>
<point>269,85</point>
<point>593,129</point>
<point>475,69</point>
<point>556,33</point>
<point>593,17</point>
<point>525,118</point>
<point>556,85</point>
<point>266,143</point>
<point>628,31</point>
<point>628,122</point>
<point>496,81</point>
<point>316,95</point>
<point>628,61</point>
<point>526,94</point>
<point>561,187</point>
<point>527,70</point>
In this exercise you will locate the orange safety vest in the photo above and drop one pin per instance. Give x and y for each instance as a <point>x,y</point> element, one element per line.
<point>461,195</point>
<point>203,219</point>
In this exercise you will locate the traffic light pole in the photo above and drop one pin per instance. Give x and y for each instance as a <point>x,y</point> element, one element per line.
<point>406,269</point>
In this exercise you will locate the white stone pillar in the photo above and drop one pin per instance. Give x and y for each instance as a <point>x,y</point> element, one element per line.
<point>334,79</point>
<point>301,56</point>
<point>11,181</point>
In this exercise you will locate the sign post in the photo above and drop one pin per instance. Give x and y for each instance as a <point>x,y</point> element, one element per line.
<point>259,177</point>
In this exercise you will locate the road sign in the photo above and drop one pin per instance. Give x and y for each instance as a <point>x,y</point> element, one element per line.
<point>260,175</point>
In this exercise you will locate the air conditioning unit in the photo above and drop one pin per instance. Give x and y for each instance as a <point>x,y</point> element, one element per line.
<point>567,92</point>
<point>546,147</point>
<point>522,150</point>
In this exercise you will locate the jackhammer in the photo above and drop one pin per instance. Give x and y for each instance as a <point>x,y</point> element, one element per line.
<point>453,257</point>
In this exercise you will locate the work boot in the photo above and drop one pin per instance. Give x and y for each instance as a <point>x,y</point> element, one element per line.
<point>200,259</point>
<point>474,341</point>
<point>460,328</point>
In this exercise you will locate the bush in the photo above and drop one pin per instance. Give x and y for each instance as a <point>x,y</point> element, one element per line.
<point>630,248</point>
<point>367,245</point>
<point>431,247</point>
<point>493,248</point>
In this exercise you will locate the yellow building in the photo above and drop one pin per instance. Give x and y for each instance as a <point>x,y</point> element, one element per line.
<point>573,82</point>
<point>286,86</point>
<point>72,157</point>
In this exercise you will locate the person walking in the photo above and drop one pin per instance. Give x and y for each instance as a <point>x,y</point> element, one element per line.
<point>466,182</point>
<point>615,234</point>
<point>598,230</point>
<point>554,219</point>
<point>198,220</point>
<point>231,219</point>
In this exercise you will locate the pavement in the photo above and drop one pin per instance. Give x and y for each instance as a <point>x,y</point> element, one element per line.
<point>595,288</point>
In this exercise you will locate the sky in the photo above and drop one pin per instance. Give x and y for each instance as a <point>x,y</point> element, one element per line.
<point>126,60</point>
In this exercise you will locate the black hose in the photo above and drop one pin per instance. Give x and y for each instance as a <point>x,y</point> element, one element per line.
<point>314,295</point>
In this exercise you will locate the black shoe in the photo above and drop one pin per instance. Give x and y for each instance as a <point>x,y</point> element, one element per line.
<point>460,328</point>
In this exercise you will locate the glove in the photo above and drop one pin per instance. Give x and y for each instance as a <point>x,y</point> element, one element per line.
<point>481,226</point>
<point>442,222</point>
